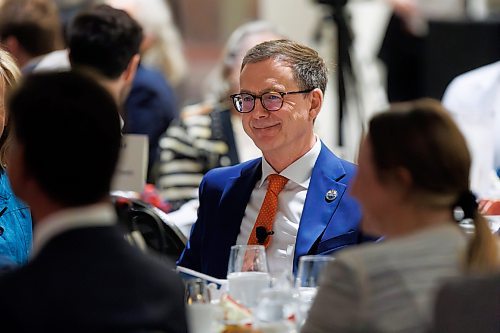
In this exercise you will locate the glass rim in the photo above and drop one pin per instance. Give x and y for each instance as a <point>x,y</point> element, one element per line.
<point>253,246</point>
<point>316,257</point>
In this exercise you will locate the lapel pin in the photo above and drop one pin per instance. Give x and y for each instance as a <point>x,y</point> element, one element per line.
<point>331,195</point>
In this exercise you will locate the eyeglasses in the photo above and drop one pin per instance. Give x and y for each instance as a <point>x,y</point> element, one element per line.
<point>271,101</point>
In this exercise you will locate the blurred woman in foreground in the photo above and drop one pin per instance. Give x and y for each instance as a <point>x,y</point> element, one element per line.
<point>413,173</point>
<point>15,218</point>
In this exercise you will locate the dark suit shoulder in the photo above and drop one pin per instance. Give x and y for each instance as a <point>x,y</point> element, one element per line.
<point>93,268</point>
<point>151,79</point>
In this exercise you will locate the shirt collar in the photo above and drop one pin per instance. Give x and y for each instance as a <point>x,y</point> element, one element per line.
<point>295,171</point>
<point>101,214</point>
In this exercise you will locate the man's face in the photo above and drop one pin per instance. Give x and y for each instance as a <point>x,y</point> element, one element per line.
<point>288,131</point>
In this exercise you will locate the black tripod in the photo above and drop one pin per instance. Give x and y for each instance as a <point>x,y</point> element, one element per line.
<point>345,74</point>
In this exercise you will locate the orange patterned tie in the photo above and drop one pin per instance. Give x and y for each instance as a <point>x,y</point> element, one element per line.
<point>265,219</point>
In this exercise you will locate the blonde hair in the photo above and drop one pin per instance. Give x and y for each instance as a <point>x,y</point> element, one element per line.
<point>9,71</point>
<point>483,253</point>
<point>10,75</point>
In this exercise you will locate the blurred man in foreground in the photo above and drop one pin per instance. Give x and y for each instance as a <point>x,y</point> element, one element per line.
<point>83,276</point>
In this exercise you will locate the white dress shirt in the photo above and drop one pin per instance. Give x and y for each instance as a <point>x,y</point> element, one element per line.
<point>101,214</point>
<point>290,204</point>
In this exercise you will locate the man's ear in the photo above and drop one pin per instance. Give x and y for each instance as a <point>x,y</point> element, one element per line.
<point>129,73</point>
<point>404,180</point>
<point>316,103</point>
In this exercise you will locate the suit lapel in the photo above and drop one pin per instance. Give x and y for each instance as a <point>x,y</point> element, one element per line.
<point>235,198</point>
<point>316,214</point>
<point>318,211</point>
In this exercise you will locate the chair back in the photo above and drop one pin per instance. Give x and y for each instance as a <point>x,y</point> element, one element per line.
<point>145,221</point>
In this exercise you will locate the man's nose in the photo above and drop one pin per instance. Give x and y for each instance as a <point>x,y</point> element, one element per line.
<point>259,111</point>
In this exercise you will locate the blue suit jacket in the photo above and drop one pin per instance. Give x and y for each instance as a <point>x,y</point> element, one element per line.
<point>325,226</point>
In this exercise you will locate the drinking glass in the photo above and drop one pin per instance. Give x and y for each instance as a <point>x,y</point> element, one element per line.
<point>201,314</point>
<point>247,273</point>
<point>276,311</point>
<point>306,282</point>
<point>196,292</point>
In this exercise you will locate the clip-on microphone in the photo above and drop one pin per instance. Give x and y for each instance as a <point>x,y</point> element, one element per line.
<point>262,234</point>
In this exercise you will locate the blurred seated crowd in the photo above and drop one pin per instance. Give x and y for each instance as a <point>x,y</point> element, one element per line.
<point>411,224</point>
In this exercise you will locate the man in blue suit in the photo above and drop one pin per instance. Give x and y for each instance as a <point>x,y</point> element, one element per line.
<point>316,214</point>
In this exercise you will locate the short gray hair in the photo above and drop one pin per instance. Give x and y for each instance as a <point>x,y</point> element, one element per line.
<point>309,69</point>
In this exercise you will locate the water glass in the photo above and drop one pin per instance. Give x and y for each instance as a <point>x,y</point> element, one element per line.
<point>310,268</point>
<point>306,282</point>
<point>247,273</point>
<point>276,311</point>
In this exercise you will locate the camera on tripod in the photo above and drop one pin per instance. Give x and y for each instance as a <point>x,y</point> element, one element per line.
<point>346,79</point>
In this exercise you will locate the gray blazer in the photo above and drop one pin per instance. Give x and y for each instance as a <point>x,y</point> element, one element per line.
<point>469,305</point>
<point>387,287</point>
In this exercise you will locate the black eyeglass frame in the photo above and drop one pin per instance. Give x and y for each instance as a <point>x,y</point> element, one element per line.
<point>282,94</point>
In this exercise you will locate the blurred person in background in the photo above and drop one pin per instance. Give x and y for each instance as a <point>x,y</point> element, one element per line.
<point>15,217</point>
<point>148,102</point>
<point>162,47</point>
<point>152,103</point>
<point>209,134</point>
<point>473,99</point>
<point>58,60</point>
<point>30,29</point>
<point>83,275</point>
<point>106,41</point>
<point>70,8</point>
<point>403,45</point>
<point>413,172</point>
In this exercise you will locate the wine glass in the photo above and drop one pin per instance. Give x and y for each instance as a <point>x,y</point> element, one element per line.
<point>306,282</point>
<point>247,273</point>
